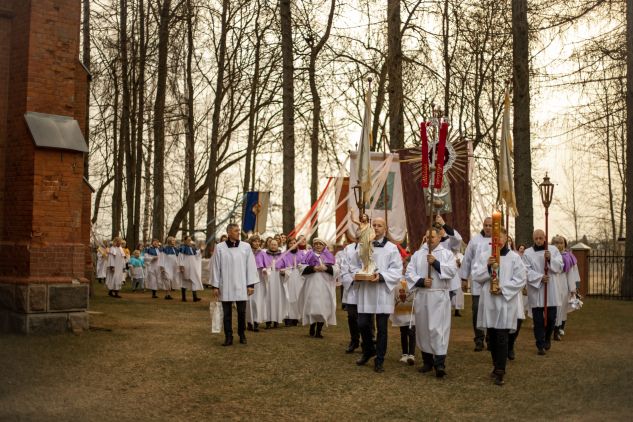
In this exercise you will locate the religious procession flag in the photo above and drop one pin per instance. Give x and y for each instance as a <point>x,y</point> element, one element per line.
<point>255,212</point>
<point>363,167</point>
<point>506,180</point>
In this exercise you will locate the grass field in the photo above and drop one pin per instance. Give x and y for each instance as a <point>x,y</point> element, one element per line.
<point>149,359</point>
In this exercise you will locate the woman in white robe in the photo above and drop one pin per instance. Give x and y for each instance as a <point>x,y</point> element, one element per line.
<point>317,300</point>
<point>276,300</point>
<point>151,256</point>
<point>102,260</point>
<point>116,265</point>
<point>292,279</point>
<point>170,271</point>
<point>432,303</point>
<point>498,312</point>
<point>190,263</point>
<point>566,282</point>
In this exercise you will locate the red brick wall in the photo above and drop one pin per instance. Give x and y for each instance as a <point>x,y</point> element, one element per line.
<point>5,51</point>
<point>44,190</point>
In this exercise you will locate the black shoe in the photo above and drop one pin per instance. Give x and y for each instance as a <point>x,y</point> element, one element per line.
<point>312,330</point>
<point>425,368</point>
<point>378,368</point>
<point>365,358</point>
<point>557,336</point>
<point>318,335</point>
<point>256,327</point>
<point>228,341</point>
<point>276,325</point>
<point>457,313</point>
<point>242,339</point>
<point>116,296</point>
<point>168,297</point>
<point>548,345</point>
<point>352,347</point>
<point>479,346</point>
<point>499,377</point>
<point>511,355</point>
<point>440,371</point>
<point>110,293</point>
<point>249,326</point>
<point>541,352</point>
<point>154,297</point>
<point>268,325</point>
<point>197,299</point>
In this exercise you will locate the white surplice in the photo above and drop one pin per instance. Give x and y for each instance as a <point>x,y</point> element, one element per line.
<point>377,298</point>
<point>500,311</point>
<point>152,265</point>
<point>277,302</point>
<point>102,260</point>
<point>116,265</point>
<point>317,300</point>
<point>432,305</point>
<point>535,264</point>
<point>469,255</point>
<point>348,269</point>
<point>170,271</point>
<point>293,283</point>
<point>233,270</point>
<point>566,285</point>
<point>192,270</point>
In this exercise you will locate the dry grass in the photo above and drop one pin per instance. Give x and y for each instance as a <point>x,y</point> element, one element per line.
<point>160,362</point>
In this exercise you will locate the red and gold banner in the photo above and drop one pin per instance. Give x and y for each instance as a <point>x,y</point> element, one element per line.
<point>425,154</point>
<point>439,161</point>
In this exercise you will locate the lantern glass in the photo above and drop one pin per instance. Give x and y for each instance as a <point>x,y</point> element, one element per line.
<point>546,189</point>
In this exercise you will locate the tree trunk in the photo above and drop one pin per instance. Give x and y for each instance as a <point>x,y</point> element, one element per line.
<point>124,130</point>
<point>86,61</point>
<point>212,175</point>
<point>447,57</point>
<point>117,165</point>
<point>147,210</point>
<point>521,123</point>
<point>251,108</point>
<point>288,196</point>
<point>140,123</point>
<point>158,224</point>
<point>316,109</point>
<point>394,63</point>
<point>627,282</point>
<point>380,103</point>
<point>190,159</point>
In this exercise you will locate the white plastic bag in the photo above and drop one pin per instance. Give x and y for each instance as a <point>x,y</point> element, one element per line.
<point>215,309</point>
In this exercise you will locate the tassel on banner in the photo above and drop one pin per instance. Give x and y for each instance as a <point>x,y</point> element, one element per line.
<point>425,154</point>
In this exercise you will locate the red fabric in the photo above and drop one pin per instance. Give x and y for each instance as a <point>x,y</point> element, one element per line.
<point>425,154</point>
<point>439,161</point>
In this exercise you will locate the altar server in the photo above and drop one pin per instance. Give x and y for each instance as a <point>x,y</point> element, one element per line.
<point>375,297</point>
<point>256,306</point>
<point>350,291</point>
<point>292,279</point>
<point>432,301</point>
<point>534,259</point>
<point>234,276</point>
<point>482,238</point>
<point>190,263</point>
<point>116,266</point>
<point>317,300</point>
<point>498,311</point>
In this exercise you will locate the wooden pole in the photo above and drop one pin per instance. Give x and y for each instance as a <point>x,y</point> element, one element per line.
<point>546,268</point>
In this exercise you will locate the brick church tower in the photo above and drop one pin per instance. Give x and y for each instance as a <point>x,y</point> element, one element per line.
<point>44,198</point>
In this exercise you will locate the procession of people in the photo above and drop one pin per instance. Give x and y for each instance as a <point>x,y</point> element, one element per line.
<point>289,282</point>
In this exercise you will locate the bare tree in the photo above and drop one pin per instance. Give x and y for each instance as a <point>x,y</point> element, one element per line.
<point>288,196</point>
<point>394,66</point>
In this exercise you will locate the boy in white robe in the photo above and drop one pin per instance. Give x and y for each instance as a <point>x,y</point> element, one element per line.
<point>432,303</point>
<point>151,256</point>
<point>534,259</point>
<point>234,275</point>
<point>190,263</point>
<point>116,267</point>
<point>376,297</point>
<point>277,302</point>
<point>102,260</point>
<point>451,240</point>
<point>498,311</point>
<point>482,238</point>
<point>404,319</point>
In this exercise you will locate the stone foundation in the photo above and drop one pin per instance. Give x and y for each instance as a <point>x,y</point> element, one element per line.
<point>43,308</point>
